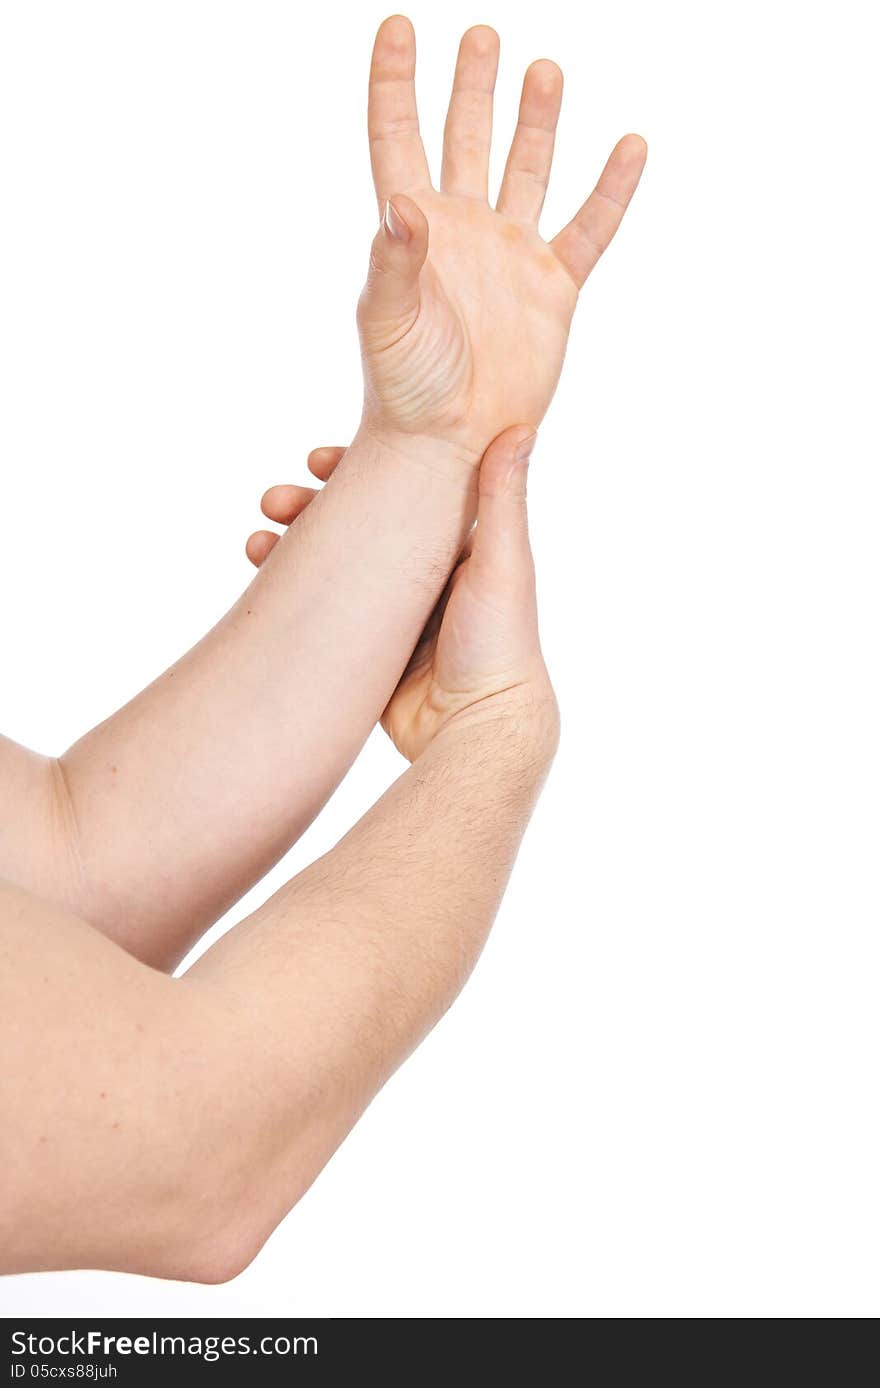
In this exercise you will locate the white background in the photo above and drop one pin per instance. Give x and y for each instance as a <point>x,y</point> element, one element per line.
<point>658,1095</point>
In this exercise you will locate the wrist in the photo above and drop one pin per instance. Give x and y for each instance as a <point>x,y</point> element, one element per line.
<point>442,456</point>
<point>518,726</point>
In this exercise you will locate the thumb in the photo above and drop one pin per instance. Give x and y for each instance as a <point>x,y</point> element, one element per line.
<point>502,534</point>
<point>390,301</point>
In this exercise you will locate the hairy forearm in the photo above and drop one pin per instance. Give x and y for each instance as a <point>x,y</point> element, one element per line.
<point>357,958</point>
<point>183,799</point>
<point>391,921</point>
<point>197,1111</point>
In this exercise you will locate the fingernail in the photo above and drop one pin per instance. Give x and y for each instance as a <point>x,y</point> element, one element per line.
<point>524,448</point>
<point>394,223</point>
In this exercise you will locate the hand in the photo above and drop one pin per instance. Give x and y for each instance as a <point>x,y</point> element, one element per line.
<point>479,655</point>
<point>466,312</point>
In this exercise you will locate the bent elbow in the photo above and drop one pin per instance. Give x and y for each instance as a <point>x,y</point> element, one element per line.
<point>215,1235</point>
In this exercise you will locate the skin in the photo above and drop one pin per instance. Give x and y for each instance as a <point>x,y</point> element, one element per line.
<point>216,769</point>
<point>485,277</point>
<point>194,1112</point>
<point>457,655</point>
<point>165,1126</point>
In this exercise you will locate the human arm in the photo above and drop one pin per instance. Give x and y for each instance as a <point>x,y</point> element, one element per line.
<point>155,822</point>
<point>165,1126</point>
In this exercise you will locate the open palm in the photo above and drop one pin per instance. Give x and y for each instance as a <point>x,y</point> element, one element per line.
<point>467,310</point>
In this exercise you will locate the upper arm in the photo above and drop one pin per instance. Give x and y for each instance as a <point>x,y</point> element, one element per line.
<point>118,1081</point>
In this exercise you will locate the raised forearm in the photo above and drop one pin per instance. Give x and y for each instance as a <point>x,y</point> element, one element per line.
<point>34,831</point>
<point>184,798</point>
